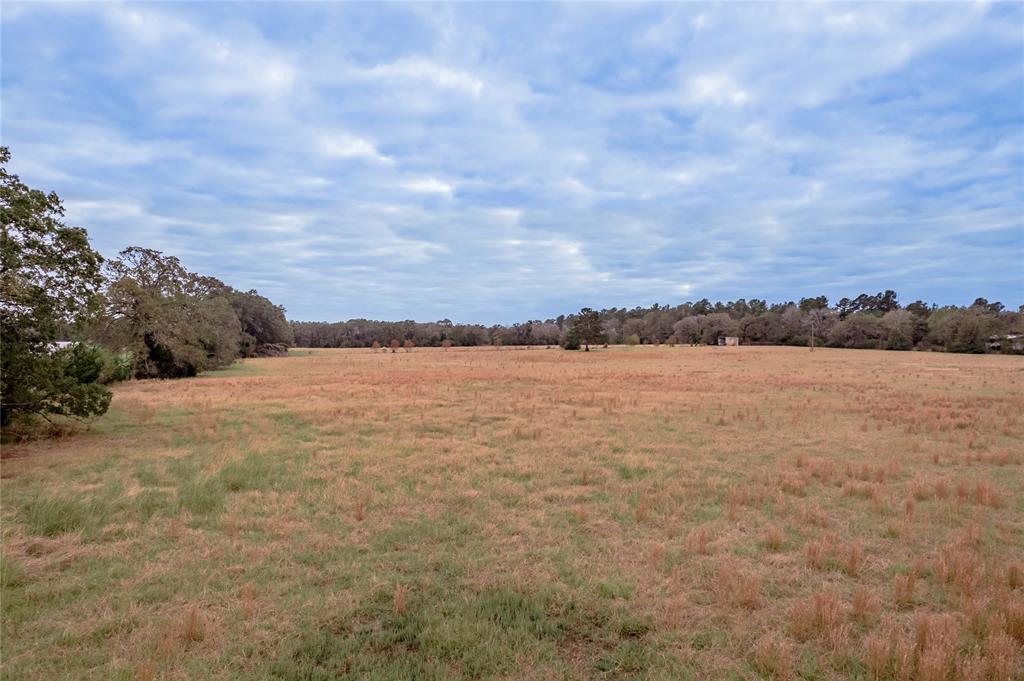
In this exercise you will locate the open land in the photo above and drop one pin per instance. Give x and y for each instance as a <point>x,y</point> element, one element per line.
<point>649,512</point>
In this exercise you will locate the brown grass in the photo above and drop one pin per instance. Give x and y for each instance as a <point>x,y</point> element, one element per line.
<point>820,615</point>
<point>773,657</point>
<point>866,604</point>
<point>903,589</point>
<point>774,537</point>
<point>762,508</point>
<point>738,588</point>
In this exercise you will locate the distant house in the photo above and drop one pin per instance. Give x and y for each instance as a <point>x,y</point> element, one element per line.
<point>1013,342</point>
<point>728,340</point>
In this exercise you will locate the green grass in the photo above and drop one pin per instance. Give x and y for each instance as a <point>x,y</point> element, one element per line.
<point>452,635</point>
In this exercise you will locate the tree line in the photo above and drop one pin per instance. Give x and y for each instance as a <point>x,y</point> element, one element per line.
<point>72,322</point>
<point>867,321</point>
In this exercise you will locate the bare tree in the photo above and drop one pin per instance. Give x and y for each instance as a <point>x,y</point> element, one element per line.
<point>815,320</point>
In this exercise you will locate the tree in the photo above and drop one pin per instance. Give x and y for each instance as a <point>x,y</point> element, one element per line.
<point>265,329</point>
<point>862,330</point>
<point>717,324</point>
<point>816,320</point>
<point>176,323</point>
<point>689,329</point>
<point>588,327</point>
<point>49,278</point>
<point>903,329</point>
<point>919,308</point>
<point>571,339</point>
<point>878,304</point>
<point>612,329</point>
<point>808,304</point>
<point>966,330</point>
<point>984,305</point>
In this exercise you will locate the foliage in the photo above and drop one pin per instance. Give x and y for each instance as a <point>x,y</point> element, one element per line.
<point>175,323</point>
<point>755,321</point>
<point>49,276</point>
<point>863,330</point>
<point>117,366</point>
<point>144,314</point>
<point>571,340</point>
<point>587,327</point>
<point>965,330</point>
<point>263,324</point>
<point>876,305</point>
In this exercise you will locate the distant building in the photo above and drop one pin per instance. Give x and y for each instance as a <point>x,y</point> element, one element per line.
<point>1012,342</point>
<point>728,340</point>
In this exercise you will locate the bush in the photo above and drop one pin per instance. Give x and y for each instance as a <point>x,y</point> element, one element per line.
<point>571,341</point>
<point>270,350</point>
<point>116,366</point>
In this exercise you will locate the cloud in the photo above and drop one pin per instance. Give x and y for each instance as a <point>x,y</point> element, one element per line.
<point>429,185</point>
<point>415,161</point>
<point>346,146</point>
<point>717,89</point>
<point>420,69</point>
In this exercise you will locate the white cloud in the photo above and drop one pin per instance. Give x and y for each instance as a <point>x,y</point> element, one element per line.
<point>429,185</point>
<point>717,89</point>
<point>420,69</point>
<point>340,145</point>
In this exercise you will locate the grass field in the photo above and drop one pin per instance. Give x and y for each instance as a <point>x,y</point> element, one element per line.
<point>651,513</point>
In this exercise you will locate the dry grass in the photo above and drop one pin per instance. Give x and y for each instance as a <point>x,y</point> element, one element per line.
<point>648,512</point>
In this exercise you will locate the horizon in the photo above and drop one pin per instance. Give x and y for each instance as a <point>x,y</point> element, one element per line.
<point>493,164</point>
<point>831,305</point>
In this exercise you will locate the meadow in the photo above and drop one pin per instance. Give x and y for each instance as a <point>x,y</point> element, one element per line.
<point>512,513</point>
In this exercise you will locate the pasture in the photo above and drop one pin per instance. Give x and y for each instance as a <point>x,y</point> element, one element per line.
<point>649,513</point>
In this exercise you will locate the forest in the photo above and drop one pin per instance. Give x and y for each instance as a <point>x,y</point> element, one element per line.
<point>868,321</point>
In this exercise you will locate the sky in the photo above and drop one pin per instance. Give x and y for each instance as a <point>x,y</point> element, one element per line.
<point>502,162</point>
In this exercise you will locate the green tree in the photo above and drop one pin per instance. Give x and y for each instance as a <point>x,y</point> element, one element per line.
<point>588,327</point>
<point>571,339</point>
<point>265,330</point>
<point>808,304</point>
<point>176,323</point>
<point>49,277</point>
<point>966,330</point>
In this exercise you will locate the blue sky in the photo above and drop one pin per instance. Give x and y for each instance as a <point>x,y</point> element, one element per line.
<point>496,163</point>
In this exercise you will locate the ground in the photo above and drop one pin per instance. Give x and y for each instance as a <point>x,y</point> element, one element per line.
<point>512,513</point>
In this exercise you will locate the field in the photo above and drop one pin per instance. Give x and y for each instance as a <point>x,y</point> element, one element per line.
<point>650,513</point>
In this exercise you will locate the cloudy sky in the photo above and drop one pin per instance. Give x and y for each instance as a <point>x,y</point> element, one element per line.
<point>497,163</point>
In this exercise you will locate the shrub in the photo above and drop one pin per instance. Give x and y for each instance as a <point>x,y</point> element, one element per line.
<point>571,341</point>
<point>116,366</point>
